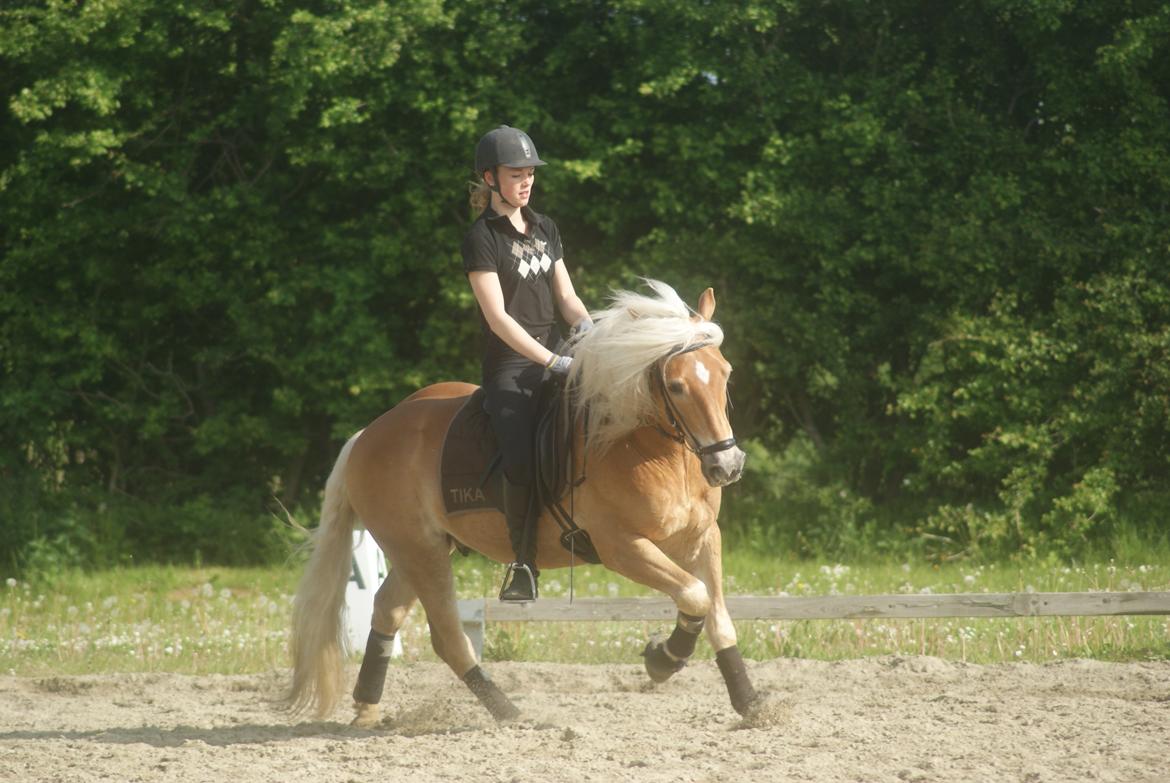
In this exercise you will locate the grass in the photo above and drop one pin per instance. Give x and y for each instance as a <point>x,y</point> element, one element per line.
<point>235,620</point>
<point>151,618</point>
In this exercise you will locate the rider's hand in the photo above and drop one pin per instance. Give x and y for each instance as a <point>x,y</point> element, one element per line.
<point>560,365</point>
<point>582,326</point>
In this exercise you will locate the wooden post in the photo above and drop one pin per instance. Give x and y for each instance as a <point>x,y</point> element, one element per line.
<point>473,614</point>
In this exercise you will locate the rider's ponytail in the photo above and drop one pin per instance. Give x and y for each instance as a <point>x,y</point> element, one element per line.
<point>480,195</point>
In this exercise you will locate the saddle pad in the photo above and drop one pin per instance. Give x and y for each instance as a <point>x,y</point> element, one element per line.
<point>470,472</point>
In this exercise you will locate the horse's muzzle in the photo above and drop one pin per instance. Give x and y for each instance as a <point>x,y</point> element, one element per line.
<point>723,467</point>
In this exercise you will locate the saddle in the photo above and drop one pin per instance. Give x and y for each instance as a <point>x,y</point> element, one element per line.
<point>472,472</point>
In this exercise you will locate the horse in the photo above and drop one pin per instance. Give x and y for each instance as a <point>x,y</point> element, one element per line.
<point>656,449</point>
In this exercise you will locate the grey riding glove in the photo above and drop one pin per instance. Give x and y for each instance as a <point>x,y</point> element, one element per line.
<point>560,365</point>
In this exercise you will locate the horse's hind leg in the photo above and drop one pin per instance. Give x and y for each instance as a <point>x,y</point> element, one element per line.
<point>428,569</point>
<point>392,603</point>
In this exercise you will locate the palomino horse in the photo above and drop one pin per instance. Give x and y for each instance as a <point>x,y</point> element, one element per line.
<point>658,447</point>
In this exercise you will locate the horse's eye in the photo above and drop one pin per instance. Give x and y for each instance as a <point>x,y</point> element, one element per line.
<point>677,387</point>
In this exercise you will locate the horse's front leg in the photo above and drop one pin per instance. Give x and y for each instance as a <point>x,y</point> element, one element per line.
<point>721,631</point>
<point>642,561</point>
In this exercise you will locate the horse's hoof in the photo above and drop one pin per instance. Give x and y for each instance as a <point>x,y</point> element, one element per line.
<point>368,716</point>
<point>506,714</point>
<point>763,711</point>
<point>751,707</point>
<point>490,695</point>
<point>659,665</point>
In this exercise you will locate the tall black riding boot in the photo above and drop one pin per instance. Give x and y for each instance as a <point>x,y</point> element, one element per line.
<point>519,509</point>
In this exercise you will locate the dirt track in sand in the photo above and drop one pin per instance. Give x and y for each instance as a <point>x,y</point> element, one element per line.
<point>886,719</point>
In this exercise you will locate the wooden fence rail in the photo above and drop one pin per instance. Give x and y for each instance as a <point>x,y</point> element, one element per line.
<point>476,613</point>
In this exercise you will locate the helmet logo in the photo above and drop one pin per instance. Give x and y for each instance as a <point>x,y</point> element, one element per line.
<point>524,146</point>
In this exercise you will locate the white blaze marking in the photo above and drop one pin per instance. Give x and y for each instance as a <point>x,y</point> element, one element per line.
<point>702,371</point>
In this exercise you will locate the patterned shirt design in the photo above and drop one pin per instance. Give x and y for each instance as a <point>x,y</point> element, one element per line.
<point>531,257</point>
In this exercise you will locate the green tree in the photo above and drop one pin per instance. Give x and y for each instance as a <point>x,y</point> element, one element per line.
<point>229,237</point>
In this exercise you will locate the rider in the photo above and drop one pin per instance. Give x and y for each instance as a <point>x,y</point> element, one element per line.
<point>513,259</point>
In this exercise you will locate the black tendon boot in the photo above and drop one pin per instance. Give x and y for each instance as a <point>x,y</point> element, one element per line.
<point>520,581</point>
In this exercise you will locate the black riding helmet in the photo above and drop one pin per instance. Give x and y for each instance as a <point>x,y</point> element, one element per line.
<point>505,146</point>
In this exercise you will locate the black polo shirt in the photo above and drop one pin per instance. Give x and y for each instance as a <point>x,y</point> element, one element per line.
<point>524,264</point>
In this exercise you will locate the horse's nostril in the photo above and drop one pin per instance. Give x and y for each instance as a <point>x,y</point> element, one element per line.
<point>721,475</point>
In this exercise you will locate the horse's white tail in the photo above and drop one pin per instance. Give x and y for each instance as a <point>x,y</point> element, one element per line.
<point>316,643</point>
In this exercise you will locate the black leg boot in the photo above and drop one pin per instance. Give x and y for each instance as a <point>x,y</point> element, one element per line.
<point>520,581</point>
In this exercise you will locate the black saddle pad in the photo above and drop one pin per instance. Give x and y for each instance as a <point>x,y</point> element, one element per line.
<point>471,472</point>
<point>471,467</point>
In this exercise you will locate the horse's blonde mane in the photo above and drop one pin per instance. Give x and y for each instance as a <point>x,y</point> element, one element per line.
<point>610,361</point>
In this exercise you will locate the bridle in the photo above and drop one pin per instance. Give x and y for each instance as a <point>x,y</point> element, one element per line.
<point>683,433</point>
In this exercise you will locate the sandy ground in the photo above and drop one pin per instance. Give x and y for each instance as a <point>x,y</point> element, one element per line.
<point>885,719</point>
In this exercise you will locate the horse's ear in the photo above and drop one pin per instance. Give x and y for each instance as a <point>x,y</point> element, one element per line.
<point>707,304</point>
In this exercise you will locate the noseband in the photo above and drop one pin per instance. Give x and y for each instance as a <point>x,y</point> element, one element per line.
<point>683,433</point>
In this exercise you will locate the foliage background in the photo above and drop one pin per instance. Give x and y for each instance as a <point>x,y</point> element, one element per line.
<point>938,233</point>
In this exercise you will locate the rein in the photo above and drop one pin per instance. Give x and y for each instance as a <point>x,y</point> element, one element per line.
<point>682,432</point>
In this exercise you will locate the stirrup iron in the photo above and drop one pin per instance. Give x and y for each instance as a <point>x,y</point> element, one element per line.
<point>515,584</point>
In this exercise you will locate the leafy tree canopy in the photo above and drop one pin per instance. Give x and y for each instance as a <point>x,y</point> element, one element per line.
<point>229,237</point>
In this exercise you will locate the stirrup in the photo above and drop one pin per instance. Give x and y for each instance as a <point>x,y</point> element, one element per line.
<point>519,584</point>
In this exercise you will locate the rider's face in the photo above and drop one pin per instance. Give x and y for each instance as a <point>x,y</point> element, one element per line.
<point>516,184</point>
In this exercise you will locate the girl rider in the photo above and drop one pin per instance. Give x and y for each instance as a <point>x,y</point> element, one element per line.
<point>513,259</point>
